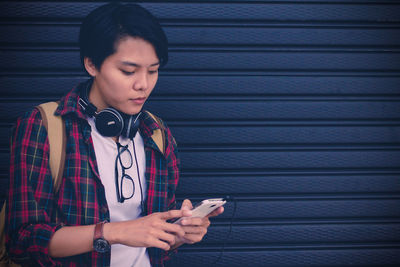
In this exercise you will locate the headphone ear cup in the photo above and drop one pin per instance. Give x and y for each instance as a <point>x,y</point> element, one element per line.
<point>131,126</point>
<point>109,122</point>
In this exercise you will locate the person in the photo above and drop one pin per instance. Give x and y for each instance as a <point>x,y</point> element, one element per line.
<point>117,194</point>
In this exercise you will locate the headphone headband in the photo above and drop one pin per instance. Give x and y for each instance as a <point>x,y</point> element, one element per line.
<point>109,121</point>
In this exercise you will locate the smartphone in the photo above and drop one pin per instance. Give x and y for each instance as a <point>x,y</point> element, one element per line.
<point>205,207</point>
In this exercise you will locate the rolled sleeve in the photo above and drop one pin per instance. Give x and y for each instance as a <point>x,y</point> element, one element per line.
<point>31,243</point>
<point>30,203</point>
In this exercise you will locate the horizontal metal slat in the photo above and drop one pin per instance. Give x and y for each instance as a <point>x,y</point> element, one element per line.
<point>303,234</point>
<point>197,85</point>
<point>285,160</point>
<point>279,36</point>
<point>275,160</point>
<point>274,61</point>
<point>322,209</point>
<point>276,185</point>
<point>283,185</point>
<point>268,35</point>
<point>243,136</point>
<point>286,135</point>
<point>236,110</point>
<point>19,60</point>
<point>274,110</point>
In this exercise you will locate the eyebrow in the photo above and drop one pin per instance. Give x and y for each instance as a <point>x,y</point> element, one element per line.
<point>137,65</point>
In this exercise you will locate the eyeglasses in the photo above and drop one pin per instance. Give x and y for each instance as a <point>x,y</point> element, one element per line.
<point>124,158</point>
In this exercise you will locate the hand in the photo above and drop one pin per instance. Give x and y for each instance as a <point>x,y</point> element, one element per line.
<point>195,228</point>
<point>150,231</point>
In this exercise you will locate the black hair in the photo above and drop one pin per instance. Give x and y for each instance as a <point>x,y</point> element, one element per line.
<point>105,26</point>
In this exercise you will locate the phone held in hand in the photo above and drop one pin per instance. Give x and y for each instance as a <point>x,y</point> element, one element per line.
<point>205,207</point>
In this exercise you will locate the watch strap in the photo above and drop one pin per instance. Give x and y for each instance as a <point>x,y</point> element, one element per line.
<point>98,230</point>
<point>99,243</point>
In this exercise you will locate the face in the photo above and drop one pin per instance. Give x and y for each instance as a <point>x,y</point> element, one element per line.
<point>126,78</point>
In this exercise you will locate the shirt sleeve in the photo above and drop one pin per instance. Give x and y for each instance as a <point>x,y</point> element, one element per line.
<point>173,163</point>
<point>30,201</point>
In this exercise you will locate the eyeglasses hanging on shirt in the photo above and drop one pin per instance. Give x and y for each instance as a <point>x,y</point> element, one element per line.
<point>125,186</point>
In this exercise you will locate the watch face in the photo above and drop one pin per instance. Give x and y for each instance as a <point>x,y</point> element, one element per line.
<point>101,245</point>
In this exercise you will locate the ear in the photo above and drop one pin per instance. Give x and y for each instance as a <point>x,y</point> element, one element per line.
<point>90,67</point>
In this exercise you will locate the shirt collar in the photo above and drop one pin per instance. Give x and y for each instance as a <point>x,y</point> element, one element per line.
<point>69,105</point>
<point>69,102</point>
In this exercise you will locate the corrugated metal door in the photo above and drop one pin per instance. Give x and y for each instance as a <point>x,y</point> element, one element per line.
<point>292,107</point>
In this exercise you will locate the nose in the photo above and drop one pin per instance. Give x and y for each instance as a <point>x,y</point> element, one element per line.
<point>141,81</point>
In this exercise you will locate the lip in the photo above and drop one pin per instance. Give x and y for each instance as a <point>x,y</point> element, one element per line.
<point>139,100</point>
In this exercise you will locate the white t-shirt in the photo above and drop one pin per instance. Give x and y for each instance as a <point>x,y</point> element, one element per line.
<point>106,151</point>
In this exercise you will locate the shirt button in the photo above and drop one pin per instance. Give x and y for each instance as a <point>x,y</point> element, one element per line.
<point>104,209</point>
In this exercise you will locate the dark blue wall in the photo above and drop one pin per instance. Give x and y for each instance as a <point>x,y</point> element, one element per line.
<point>292,107</point>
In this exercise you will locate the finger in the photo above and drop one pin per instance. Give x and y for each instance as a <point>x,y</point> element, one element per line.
<point>216,212</point>
<point>174,214</point>
<point>160,244</point>
<point>194,230</point>
<point>196,221</point>
<point>167,237</point>
<point>193,238</point>
<point>173,228</point>
<point>187,204</point>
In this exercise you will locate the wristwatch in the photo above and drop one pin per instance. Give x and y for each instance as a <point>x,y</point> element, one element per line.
<point>99,243</point>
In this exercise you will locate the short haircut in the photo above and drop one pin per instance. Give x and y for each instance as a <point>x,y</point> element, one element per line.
<point>105,26</point>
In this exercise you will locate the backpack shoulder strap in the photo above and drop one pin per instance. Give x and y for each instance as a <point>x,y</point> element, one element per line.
<point>55,127</point>
<point>158,134</point>
<point>4,260</point>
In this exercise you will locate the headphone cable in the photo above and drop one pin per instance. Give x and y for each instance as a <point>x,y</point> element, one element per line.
<point>230,228</point>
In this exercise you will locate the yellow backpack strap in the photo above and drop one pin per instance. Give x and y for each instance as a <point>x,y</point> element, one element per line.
<point>4,260</point>
<point>158,134</point>
<point>55,127</point>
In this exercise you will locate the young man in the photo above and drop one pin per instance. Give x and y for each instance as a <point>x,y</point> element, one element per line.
<point>117,192</point>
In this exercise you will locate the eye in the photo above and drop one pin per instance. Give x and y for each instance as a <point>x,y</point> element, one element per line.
<point>153,71</point>
<point>127,72</point>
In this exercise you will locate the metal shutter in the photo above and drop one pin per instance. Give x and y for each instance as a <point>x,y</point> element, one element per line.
<point>292,107</point>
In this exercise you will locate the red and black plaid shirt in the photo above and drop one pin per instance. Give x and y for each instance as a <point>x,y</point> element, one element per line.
<point>34,212</point>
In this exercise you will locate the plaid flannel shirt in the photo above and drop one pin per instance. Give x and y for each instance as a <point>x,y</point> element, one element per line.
<point>34,212</point>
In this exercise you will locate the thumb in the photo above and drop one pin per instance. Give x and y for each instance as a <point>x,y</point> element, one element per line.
<point>187,205</point>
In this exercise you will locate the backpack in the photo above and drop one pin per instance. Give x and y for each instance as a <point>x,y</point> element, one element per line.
<point>57,159</point>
